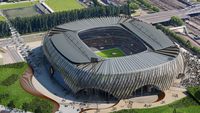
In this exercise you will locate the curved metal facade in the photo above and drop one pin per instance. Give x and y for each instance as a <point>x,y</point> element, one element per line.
<point>118,76</point>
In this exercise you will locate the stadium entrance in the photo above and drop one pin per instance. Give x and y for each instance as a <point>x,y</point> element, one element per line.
<point>147,94</point>
<point>95,95</point>
<point>146,90</point>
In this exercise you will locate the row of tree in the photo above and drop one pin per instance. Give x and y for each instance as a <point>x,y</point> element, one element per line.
<point>134,4</point>
<point>4,29</point>
<point>46,22</point>
<point>179,39</point>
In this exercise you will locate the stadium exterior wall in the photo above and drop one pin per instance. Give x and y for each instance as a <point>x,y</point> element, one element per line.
<point>120,85</point>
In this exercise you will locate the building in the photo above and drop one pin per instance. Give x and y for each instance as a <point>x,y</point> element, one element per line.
<point>151,61</point>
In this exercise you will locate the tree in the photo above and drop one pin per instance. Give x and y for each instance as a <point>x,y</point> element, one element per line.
<point>188,43</point>
<point>25,106</point>
<point>128,8</point>
<point>4,29</point>
<point>96,3</point>
<point>155,9</point>
<point>48,21</point>
<point>174,111</point>
<point>38,110</point>
<point>134,6</point>
<point>11,104</point>
<point>176,21</point>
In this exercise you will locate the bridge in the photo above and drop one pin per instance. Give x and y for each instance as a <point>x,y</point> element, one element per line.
<point>166,15</point>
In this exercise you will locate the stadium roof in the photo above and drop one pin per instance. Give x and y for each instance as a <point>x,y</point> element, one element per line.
<point>66,40</point>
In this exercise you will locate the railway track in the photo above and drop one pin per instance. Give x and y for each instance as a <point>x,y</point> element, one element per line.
<point>196,19</point>
<point>168,4</point>
<point>193,29</point>
<point>174,5</point>
<point>161,5</point>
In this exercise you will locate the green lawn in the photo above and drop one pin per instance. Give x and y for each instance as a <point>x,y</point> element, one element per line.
<point>2,18</point>
<point>13,89</point>
<point>185,105</point>
<point>17,5</point>
<point>114,52</point>
<point>63,5</point>
<point>195,92</point>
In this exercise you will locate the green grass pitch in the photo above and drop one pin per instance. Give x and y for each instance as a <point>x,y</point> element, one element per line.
<point>63,5</point>
<point>114,52</point>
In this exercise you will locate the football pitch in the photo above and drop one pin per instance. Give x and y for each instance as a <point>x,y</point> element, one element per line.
<point>63,5</point>
<point>109,53</point>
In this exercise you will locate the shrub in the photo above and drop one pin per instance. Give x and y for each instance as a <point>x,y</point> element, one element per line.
<point>4,96</point>
<point>176,21</point>
<point>195,92</point>
<point>11,104</point>
<point>25,106</point>
<point>40,105</point>
<point>145,4</point>
<point>14,65</point>
<point>10,80</point>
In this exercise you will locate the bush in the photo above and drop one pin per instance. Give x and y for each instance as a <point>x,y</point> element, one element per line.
<point>10,80</point>
<point>4,96</point>
<point>11,104</point>
<point>134,6</point>
<point>15,65</point>
<point>176,21</point>
<point>155,9</point>
<point>38,105</point>
<point>195,92</point>
<point>146,4</point>
<point>25,106</point>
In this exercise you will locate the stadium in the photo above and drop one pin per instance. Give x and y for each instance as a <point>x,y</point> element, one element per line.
<point>116,57</point>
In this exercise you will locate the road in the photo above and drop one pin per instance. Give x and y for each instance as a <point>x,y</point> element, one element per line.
<point>164,16</point>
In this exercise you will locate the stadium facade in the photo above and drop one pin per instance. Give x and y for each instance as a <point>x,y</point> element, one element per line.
<point>151,58</point>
